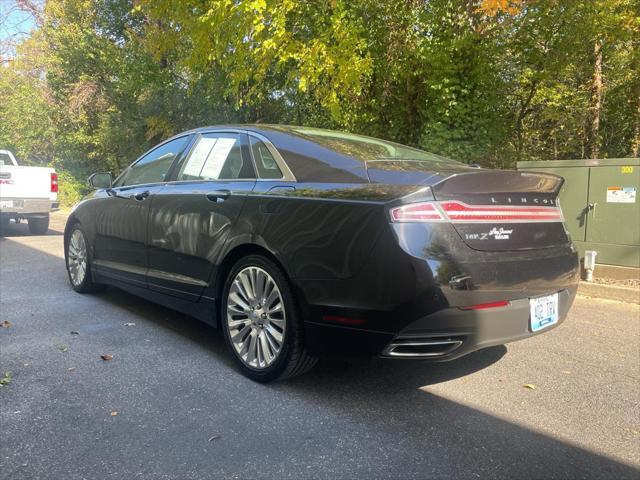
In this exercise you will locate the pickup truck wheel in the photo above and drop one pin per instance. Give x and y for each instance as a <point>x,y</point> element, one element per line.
<point>39,225</point>
<point>78,260</point>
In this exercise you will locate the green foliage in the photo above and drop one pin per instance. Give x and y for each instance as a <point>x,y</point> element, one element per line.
<point>484,81</point>
<point>71,189</point>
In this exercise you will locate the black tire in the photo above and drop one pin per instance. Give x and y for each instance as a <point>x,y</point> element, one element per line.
<point>87,285</point>
<point>293,358</point>
<point>39,225</point>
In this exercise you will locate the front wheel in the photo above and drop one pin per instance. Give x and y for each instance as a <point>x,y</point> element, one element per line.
<point>260,321</point>
<point>39,225</point>
<point>78,260</point>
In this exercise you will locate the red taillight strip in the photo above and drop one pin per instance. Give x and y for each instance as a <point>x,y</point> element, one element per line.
<point>54,183</point>
<point>459,212</point>
<point>482,306</point>
<point>417,212</point>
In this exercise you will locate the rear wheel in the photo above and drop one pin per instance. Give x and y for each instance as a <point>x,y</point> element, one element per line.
<point>78,260</point>
<point>39,225</point>
<point>260,321</point>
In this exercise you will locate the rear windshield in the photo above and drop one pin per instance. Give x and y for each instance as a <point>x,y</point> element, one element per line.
<point>370,149</point>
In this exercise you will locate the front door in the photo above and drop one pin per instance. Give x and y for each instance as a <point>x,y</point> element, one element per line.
<point>122,215</point>
<point>191,216</point>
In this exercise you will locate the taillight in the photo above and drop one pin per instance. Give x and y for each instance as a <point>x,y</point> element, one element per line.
<point>483,306</point>
<point>54,183</point>
<point>459,212</point>
<point>417,212</point>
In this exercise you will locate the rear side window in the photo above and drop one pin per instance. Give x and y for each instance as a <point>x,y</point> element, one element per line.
<point>217,156</point>
<point>265,163</point>
<point>155,165</point>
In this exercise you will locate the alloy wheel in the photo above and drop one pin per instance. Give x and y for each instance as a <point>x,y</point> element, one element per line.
<point>256,317</point>
<point>77,257</point>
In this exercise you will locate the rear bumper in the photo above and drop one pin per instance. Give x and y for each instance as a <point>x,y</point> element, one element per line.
<point>27,206</point>
<point>452,333</point>
<point>441,336</point>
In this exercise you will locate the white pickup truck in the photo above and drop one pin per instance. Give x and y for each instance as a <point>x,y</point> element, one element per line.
<point>29,193</point>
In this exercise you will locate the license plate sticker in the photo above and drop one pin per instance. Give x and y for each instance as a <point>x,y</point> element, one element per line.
<point>543,312</point>
<point>6,203</point>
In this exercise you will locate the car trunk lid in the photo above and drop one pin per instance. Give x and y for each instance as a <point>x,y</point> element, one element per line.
<point>502,210</point>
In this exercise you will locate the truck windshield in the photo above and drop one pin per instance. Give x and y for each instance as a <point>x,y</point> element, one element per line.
<point>5,159</point>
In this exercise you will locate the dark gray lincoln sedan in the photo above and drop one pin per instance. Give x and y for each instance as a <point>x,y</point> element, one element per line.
<point>298,242</point>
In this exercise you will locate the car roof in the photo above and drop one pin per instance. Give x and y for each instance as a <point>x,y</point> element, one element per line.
<point>321,155</point>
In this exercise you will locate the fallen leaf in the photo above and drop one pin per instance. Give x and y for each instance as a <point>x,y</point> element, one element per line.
<point>6,379</point>
<point>75,333</point>
<point>130,324</point>
<point>113,414</point>
<point>530,386</point>
<point>5,324</point>
<point>63,348</point>
<point>106,357</point>
<point>215,437</point>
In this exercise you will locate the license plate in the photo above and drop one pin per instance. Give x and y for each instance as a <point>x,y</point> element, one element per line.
<point>544,312</point>
<point>6,203</point>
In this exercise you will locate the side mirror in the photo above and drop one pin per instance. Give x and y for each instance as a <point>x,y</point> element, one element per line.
<point>101,180</point>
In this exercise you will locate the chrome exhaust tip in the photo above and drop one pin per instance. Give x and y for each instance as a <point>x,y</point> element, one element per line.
<point>419,347</point>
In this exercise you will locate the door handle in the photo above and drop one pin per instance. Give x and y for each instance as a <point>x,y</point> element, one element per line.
<point>218,196</point>
<point>140,196</point>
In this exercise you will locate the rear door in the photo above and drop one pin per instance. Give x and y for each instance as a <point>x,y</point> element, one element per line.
<point>121,216</point>
<point>192,215</point>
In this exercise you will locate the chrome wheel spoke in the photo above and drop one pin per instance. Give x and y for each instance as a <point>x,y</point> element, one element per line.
<point>256,317</point>
<point>266,348</point>
<point>276,335</point>
<point>247,288</point>
<point>238,302</point>
<point>278,322</point>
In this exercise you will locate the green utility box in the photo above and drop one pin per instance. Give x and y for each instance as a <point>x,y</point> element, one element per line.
<point>599,200</point>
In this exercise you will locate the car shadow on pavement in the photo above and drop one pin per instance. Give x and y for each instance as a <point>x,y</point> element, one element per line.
<point>380,395</point>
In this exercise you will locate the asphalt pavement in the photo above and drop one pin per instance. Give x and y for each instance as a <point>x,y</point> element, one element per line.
<point>169,404</point>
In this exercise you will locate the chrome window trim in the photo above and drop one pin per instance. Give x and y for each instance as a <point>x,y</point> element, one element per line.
<point>222,180</point>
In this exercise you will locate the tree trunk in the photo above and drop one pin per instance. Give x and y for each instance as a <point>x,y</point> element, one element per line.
<point>595,104</point>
